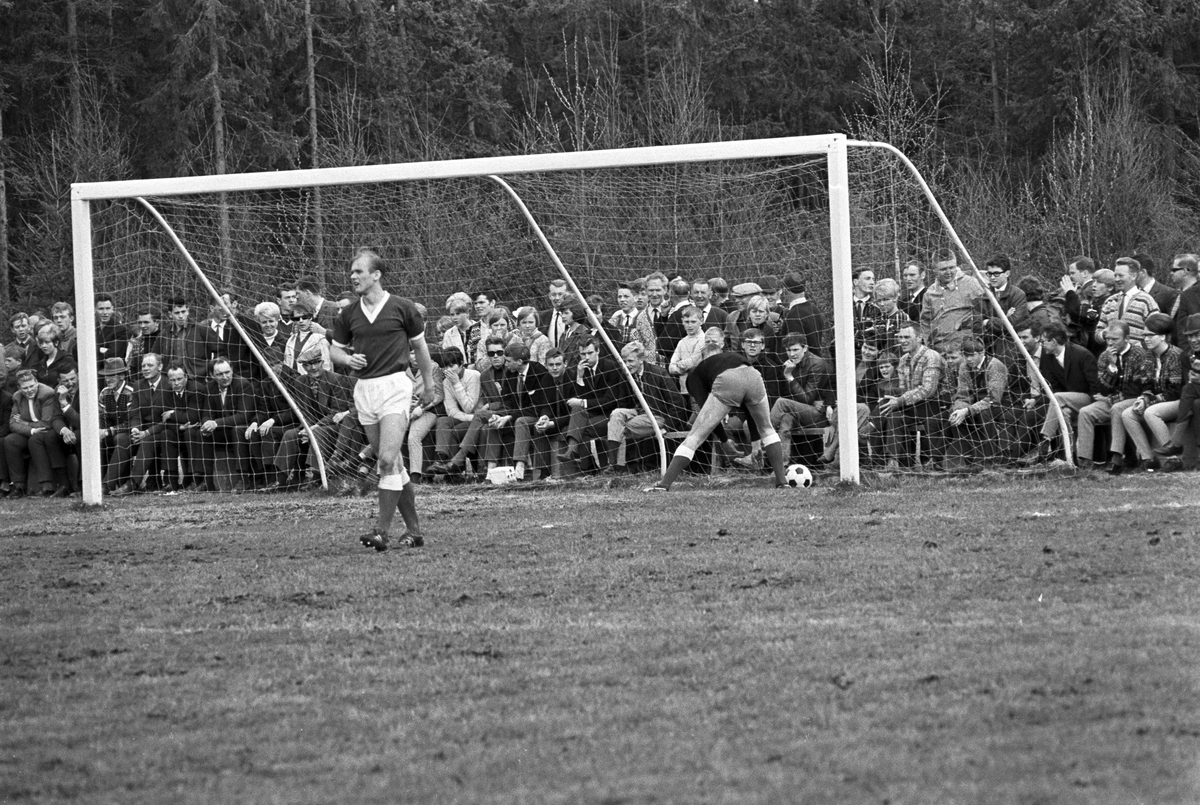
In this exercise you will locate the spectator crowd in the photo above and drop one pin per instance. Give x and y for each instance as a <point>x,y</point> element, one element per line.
<point>941,383</point>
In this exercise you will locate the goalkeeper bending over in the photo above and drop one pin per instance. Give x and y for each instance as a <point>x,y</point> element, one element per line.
<point>376,337</point>
<point>720,383</point>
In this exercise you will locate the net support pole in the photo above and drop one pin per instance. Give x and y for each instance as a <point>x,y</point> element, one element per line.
<point>89,376</point>
<point>843,310</point>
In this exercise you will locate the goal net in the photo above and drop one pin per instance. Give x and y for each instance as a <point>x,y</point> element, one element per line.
<point>210,267</point>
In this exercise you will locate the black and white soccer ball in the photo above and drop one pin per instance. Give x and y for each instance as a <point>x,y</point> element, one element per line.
<point>798,477</point>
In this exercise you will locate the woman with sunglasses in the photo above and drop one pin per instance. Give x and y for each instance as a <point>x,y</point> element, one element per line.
<point>302,337</point>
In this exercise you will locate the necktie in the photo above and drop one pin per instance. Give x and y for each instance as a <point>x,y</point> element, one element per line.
<point>1121,307</point>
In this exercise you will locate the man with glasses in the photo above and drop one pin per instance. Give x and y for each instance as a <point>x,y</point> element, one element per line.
<point>1011,299</point>
<point>1184,274</point>
<point>304,335</point>
<point>376,338</point>
<point>1071,372</point>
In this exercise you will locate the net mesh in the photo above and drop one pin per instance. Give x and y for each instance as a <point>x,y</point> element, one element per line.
<point>741,220</point>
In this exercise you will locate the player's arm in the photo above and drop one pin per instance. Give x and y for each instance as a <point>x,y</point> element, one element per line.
<point>425,363</point>
<point>341,355</point>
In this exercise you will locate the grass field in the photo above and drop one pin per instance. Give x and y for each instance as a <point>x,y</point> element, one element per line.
<point>983,640</point>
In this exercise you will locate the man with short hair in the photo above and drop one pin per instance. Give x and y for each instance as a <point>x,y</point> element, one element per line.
<point>1129,303</point>
<point>1079,287</point>
<point>920,375</point>
<point>1011,299</point>
<point>229,406</point>
<point>1116,373</point>
<point>326,398</point>
<point>862,292</point>
<point>146,336</point>
<point>913,280</point>
<point>523,391</point>
<point>385,332</point>
<point>628,419</point>
<point>185,341</point>
<point>597,384</point>
<point>720,294</point>
<point>555,321</point>
<point>809,384</point>
<point>1185,435</point>
<point>288,296</point>
<point>1165,296</point>
<point>670,330</point>
<point>56,449</point>
<point>950,310</point>
<point>325,311</point>
<point>711,313</point>
<point>801,315</point>
<point>968,432</point>
<point>14,360</point>
<point>147,431</point>
<point>32,413</point>
<point>1070,371</point>
<point>64,319</point>
<point>183,408</point>
<point>111,335</point>
<point>23,338</point>
<point>1184,270</point>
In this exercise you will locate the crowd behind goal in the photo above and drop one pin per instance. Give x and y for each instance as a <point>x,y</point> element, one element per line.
<point>940,382</point>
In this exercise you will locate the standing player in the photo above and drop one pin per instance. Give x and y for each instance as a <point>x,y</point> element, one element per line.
<point>375,339</point>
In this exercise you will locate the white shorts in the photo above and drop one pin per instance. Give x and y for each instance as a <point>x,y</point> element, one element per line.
<point>377,397</point>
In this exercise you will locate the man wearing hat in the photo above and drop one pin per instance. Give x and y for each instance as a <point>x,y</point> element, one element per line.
<point>801,316</point>
<point>1185,435</point>
<point>738,300</point>
<point>116,406</point>
<point>1162,375</point>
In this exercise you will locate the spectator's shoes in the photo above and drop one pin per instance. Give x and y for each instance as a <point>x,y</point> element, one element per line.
<point>1168,450</point>
<point>410,540</point>
<point>62,492</point>
<point>374,540</point>
<point>655,488</point>
<point>122,490</point>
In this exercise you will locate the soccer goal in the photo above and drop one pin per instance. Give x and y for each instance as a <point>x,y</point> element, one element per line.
<point>750,211</point>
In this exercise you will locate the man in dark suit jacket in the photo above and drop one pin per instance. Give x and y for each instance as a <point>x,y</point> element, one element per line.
<point>1164,295</point>
<point>325,312</point>
<point>525,390</point>
<point>1071,372</point>
<point>229,407</point>
<point>183,410</point>
<point>598,381</point>
<point>33,410</point>
<point>1184,271</point>
<point>227,342</point>
<point>148,432</point>
<point>325,398</point>
<point>668,330</point>
<point>801,316</point>
<point>702,297</point>
<point>628,419</point>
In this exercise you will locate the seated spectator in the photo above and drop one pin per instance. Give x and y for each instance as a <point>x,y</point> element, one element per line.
<point>1070,371</point>
<point>920,375</point>
<point>598,382</point>
<point>421,419</point>
<point>809,393</point>
<point>528,323</point>
<point>183,407</point>
<point>1185,436</point>
<point>554,415</point>
<point>968,432</point>
<point>628,418</point>
<point>304,336</point>
<point>51,360</point>
<point>467,411</point>
<point>325,398</point>
<point>869,371</point>
<point>116,409</point>
<point>1118,380</point>
<point>498,325</point>
<point>524,391</point>
<point>147,431</point>
<point>228,408</point>
<point>56,450</point>
<point>1162,376</point>
<point>32,412</point>
<point>14,359</point>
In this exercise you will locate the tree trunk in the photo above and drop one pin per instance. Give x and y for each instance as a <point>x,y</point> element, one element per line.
<point>214,50</point>
<point>76,92</point>
<point>4,290</point>
<point>314,142</point>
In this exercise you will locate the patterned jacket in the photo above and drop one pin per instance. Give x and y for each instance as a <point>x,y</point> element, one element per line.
<point>980,389</point>
<point>1118,374</point>
<point>919,375</point>
<point>1162,377</point>
<point>116,408</point>
<point>1139,305</point>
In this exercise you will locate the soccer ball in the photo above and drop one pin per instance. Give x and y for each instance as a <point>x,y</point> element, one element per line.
<point>798,477</point>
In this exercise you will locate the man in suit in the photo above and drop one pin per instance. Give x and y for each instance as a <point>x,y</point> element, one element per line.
<point>23,338</point>
<point>228,409</point>
<point>668,329</point>
<point>702,297</point>
<point>597,381</point>
<point>866,312</point>
<point>58,447</point>
<point>185,341</point>
<point>325,398</point>
<point>1011,299</point>
<point>1071,372</point>
<point>146,337</point>
<point>183,409</point>
<point>228,342</point>
<point>913,281</point>
<point>32,413</point>
<point>554,414</point>
<point>628,419</point>
<point>325,312</point>
<point>112,337</point>
<point>147,433</point>
<point>553,322</point>
<point>525,389</point>
<point>801,316</point>
<point>1079,287</point>
<point>1164,295</point>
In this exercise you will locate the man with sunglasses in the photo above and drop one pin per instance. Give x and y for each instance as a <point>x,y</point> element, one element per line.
<point>374,339</point>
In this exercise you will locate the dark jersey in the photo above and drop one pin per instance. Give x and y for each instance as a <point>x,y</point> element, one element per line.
<point>700,380</point>
<point>385,341</point>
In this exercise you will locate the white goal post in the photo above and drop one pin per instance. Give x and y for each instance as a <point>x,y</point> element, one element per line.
<point>832,149</point>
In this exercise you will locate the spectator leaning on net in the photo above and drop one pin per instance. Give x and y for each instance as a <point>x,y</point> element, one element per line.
<point>628,419</point>
<point>33,409</point>
<point>1070,371</point>
<point>919,374</point>
<point>1185,436</point>
<point>63,316</point>
<point>968,431</point>
<point>1117,374</point>
<point>1129,303</point>
<point>1163,375</point>
<point>800,315</point>
<point>950,310</point>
